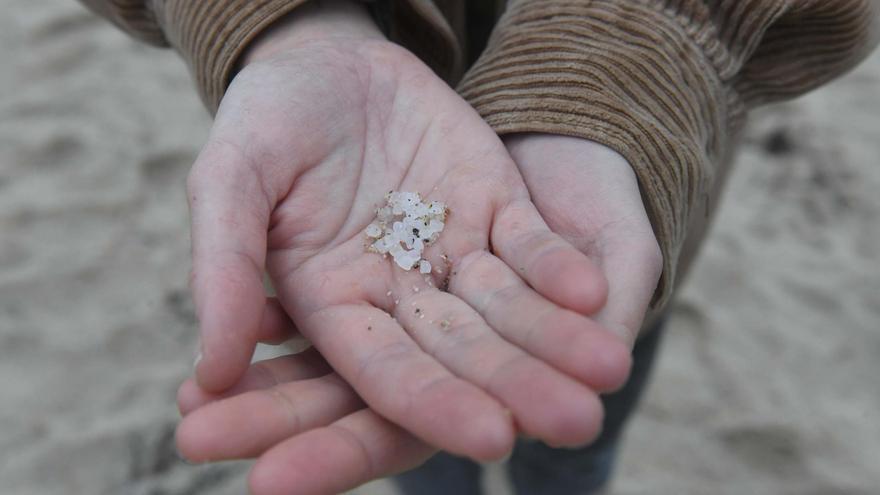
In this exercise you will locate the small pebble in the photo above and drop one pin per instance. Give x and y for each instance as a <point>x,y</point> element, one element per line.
<point>404,226</point>
<point>425,267</point>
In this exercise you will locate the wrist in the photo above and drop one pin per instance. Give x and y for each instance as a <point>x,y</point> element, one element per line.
<point>315,20</point>
<point>555,147</point>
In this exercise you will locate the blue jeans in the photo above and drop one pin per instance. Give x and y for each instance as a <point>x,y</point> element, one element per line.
<point>536,469</point>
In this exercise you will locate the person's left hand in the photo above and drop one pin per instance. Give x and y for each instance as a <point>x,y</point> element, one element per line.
<point>589,195</point>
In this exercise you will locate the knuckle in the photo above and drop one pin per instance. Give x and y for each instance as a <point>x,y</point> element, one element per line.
<point>372,367</point>
<point>194,179</point>
<point>356,445</point>
<point>511,216</point>
<point>500,377</point>
<point>652,256</point>
<point>473,272</point>
<point>264,374</point>
<point>426,391</point>
<point>220,161</point>
<point>203,177</point>
<point>286,407</point>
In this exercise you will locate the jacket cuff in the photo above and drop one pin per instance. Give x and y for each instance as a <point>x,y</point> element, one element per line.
<point>212,34</point>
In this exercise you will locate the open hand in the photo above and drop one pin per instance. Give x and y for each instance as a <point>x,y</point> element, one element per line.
<point>589,195</point>
<point>305,146</point>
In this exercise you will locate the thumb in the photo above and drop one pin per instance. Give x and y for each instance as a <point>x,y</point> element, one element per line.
<point>632,267</point>
<point>229,211</point>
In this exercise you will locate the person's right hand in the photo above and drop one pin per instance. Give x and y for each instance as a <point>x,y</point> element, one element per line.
<point>310,136</point>
<point>308,429</point>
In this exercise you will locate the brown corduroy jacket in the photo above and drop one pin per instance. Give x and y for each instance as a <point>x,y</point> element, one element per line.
<point>666,83</point>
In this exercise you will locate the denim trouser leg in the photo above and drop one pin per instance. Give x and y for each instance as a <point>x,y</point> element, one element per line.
<point>536,469</point>
<point>443,474</point>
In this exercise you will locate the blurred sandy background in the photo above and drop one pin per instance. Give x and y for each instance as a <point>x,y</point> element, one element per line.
<point>768,383</point>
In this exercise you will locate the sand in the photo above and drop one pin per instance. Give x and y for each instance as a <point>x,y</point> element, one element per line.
<point>767,383</point>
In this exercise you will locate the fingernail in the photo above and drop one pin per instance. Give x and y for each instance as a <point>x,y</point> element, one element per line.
<point>198,358</point>
<point>509,415</point>
<point>186,461</point>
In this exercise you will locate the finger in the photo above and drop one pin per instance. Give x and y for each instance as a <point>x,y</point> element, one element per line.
<point>400,382</point>
<point>252,422</point>
<point>545,403</point>
<point>260,375</point>
<point>356,449</point>
<point>230,216</point>
<point>276,327</point>
<point>633,267</point>
<point>568,341</point>
<point>550,265</point>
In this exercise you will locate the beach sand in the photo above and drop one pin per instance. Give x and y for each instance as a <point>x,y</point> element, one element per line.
<point>768,379</point>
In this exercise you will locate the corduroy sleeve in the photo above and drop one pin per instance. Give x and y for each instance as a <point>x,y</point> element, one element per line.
<point>666,83</point>
<point>209,34</point>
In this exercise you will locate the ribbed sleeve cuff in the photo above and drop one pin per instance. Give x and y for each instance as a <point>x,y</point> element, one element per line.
<point>625,74</point>
<point>212,34</point>
<point>136,17</point>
